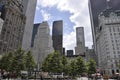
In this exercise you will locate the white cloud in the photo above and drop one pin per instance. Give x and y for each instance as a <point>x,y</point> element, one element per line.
<point>37,8</point>
<point>80,17</point>
<point>46,16</point>
<point>69,40</point>
<point>47,3</point>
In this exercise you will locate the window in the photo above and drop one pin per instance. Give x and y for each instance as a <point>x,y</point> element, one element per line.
<point>113,29</point>
<point>118,29</point>
<point>110,29</point>
<point>114,33</point>
<point>112,41</point>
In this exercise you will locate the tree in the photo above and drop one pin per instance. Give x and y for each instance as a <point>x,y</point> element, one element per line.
<point>6,61</point>
<point>29,61</point>
<point>53,63</point>
<point>3,63</point>
<point>65,65</point>
<point>73,68</point>
<point>66,69</point>
<point>18,63</point>
<point>9,61</point>
<point>46,63</point>
<point>81,67</point>
<point>91,66</point>
<point>119,64</point>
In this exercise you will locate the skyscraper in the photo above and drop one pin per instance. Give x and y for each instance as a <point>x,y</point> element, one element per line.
<point>108,41</point>
<point>34,33</point>
<point>95,8</point>
<point>13,26</point>
<point>29,7</point>
<point>80,41</point>
<point>42,42</point>
<point>1,23</point>
<point>57,36</point>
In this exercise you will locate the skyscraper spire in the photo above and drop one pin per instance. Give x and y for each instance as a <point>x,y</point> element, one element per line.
<point>108,4</point>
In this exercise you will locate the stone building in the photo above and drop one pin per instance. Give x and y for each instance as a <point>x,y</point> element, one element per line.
<point>13,26</point>
<point>90,54</point>
<point>1,23</point>
<point>29,7</point>
<point>42,42</point>
<point>95,8</point>
<point>108,41</point>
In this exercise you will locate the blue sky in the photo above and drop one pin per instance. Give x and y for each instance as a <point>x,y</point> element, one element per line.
<point>52,16</point>
<point>74,13</point>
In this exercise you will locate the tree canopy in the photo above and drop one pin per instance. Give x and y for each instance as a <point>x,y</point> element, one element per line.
<point>53,63</point>
<point>17,61</point>
<point>91,66</point>
<point>57,63</point>
<point>81,67</point>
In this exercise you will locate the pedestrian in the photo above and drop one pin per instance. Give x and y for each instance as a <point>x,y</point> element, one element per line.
<point>0,75</point>
<point>41,78</point>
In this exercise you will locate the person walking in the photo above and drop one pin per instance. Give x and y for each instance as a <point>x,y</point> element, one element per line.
<point>41,78</point>
<point>0,75</point>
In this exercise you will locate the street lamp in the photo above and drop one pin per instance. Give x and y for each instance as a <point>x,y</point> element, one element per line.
<point>35,73</point>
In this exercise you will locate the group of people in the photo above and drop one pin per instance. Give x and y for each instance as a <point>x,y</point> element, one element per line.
<point>2,74</point>
<point>6,75</point>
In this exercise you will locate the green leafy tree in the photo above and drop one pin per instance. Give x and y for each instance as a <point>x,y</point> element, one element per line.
<point>53,63</point>
<point>46,63</point>
<point>9,61</point>
<point>66,69</point>
<point>6,61</point>
<point>91,66</point>
<point>119,64</point>
<point>18,63</point>
<point>65,64</point>
<point>3,63</point>
<point>81,67</point>
<point>73,68</point>
<point>29,61</point>
<point>56,63</point>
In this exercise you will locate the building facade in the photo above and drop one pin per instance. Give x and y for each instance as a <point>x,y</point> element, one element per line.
<point>95,9</point>
<point>69,52</point>
<point>29,7</point>
<point>34,33</point>
<point>90,54</point>
<point>80,41</point>
<point>13,26</point>
<point>57,36</point>
<point>108,41</point>
<point>42,43</point>
<point>1,23</point>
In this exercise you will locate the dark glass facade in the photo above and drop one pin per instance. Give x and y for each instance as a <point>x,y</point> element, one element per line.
<point>35,29</point>
<point>57,36</point>
<point>69,52</point>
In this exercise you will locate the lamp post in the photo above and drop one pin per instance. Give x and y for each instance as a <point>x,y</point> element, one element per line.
<point>35,73</point>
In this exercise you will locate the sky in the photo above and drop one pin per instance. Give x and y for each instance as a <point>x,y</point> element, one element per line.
<point>74,13</point>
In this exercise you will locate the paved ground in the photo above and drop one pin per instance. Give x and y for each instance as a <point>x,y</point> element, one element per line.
<point>85,78</point>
